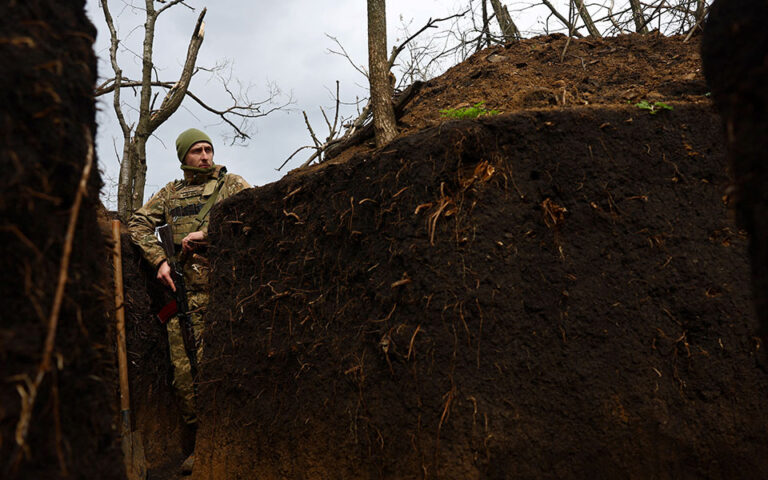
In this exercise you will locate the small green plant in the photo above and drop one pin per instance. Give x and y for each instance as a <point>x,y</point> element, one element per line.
<point>653,108</point>
<point>469,112</point>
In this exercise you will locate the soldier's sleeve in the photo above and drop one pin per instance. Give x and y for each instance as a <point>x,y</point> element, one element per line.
<point>142,227</point>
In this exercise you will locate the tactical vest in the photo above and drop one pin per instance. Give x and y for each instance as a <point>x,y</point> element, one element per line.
<point>187,203</point>
<point>186,206</point>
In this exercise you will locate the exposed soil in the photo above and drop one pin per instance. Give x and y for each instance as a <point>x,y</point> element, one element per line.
<point>46,124</point>
<point>556,291</point>
<point>736,59</point>
<point>530,74</point>
<point>551,292</point>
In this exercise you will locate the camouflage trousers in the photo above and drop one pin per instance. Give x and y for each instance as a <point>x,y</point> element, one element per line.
<point>183,383</point>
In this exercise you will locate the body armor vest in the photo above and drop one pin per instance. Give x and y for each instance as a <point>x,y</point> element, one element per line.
<point>185,206</point>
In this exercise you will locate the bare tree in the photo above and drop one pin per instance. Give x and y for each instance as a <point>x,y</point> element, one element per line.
<point>567,23</point>
<point>469,31</point>
<point>587,18</point>
<point>613,17</point>
<point>413,70</point>
<point>485,31</point>
<point>133,164</point>
<point>508,28</point>
<point>637,15</point>
<point>381,88</point>
<point>701,10</point>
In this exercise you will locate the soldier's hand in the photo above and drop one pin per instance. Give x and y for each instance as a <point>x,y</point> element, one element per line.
<point>164,275</point>
<point>192,241</point>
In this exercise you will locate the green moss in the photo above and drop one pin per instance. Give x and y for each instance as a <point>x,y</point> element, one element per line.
<point>469,112</point>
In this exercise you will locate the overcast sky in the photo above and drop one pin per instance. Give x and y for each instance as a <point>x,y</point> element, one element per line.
<point>283,43</point>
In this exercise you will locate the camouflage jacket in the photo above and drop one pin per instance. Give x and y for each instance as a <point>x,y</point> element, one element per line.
<point>178,204</point>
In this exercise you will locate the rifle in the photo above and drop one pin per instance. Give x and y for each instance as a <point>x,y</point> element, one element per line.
<point>179,305</point>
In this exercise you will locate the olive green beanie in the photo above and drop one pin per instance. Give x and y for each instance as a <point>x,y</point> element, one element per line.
<point>189,138</point>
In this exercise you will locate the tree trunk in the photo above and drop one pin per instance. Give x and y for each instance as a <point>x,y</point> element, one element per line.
<point>381,89</point>
<point>133,176</point>
<point>567,23</point>
<point>637,15</point>
<point>508,27</point>
<point>587,18</point>
<point>139,173</point>
<point>701,10</point>
<point>125,183</point>
<point>133,168</point>
<point>486,26</point>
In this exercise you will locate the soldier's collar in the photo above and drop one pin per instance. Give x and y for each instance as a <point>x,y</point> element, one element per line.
<point>195,175</point>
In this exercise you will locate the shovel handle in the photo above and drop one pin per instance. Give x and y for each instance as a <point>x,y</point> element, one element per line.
<point>122,357</point>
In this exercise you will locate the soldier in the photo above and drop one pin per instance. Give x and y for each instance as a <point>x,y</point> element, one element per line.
<point>184,204</point>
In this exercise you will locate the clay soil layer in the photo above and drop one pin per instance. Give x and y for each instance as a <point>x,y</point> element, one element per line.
<point>549,293</point>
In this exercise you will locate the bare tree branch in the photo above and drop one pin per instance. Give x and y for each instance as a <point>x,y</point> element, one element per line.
<point>250,111</point>
<point>612,18</point>
<point>430,24</point>
<point>125,179</point>
<point>571,23</point>
<point>175,95</point>
<point>697,25</point>
<point>568,25</point>
<point>114,42</point>
<point>651,16</point>
<point>344,54</point>
<point>314,155</point>
<point>587,19</point>
<point>172,3</point>
<point>508,28</point>
<point>330,139</point>
<point>396,51</point>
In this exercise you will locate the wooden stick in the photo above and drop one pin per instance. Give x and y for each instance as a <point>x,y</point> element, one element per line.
<point>122,356</point>
<point>132,445</point>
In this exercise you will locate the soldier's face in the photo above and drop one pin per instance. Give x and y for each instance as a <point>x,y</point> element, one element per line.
<point>200,155</point>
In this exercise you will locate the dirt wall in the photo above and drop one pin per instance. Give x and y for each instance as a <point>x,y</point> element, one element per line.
<point>552,293</point>
<point>156,411</point>
<point>735,55</point>
<point>46,127</point>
